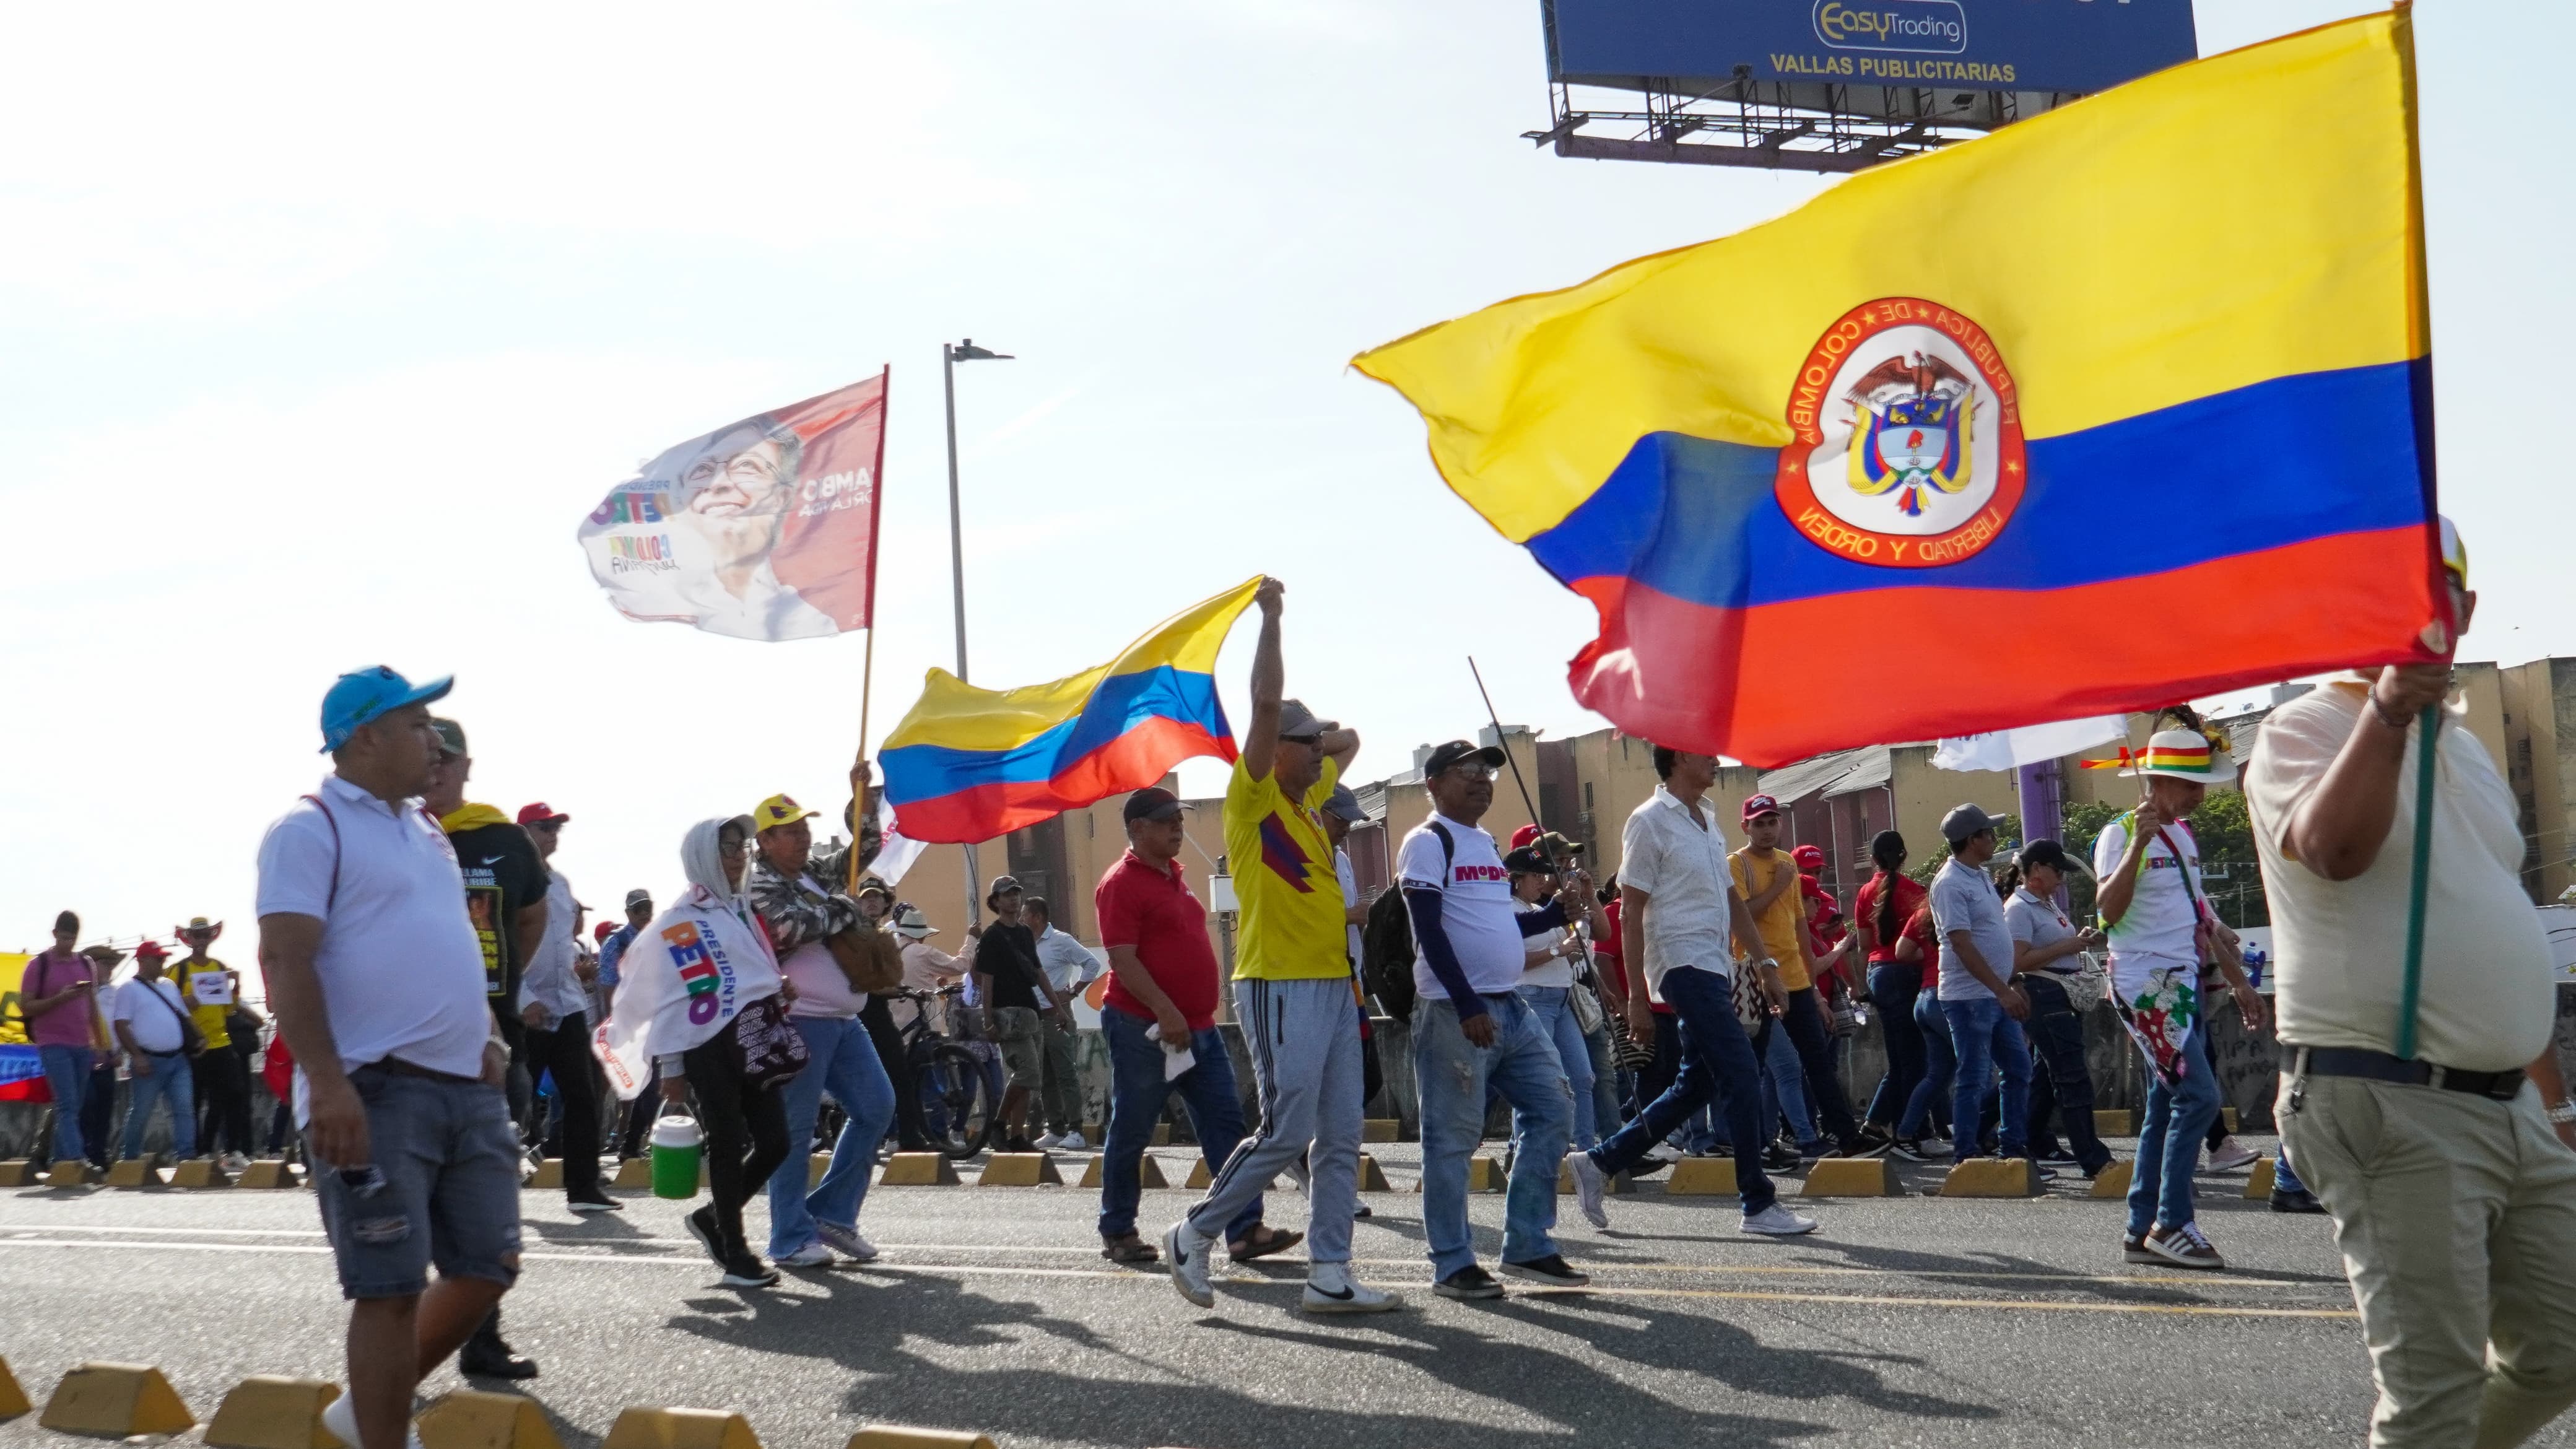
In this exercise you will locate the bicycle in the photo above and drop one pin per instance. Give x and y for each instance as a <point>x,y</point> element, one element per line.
<point>957,1098</point>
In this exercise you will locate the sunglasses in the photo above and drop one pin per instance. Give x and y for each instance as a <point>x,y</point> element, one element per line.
<point>1309,741</point>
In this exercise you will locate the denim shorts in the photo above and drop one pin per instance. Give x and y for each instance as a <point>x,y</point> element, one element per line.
<point>451,1193</point>
<point>1015,1031</point>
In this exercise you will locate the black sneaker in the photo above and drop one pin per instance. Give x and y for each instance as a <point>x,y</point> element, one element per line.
<point>742,1270</point>
<point>1777,1159</point>
<point>1470,1282</point>
<point>1552,1271</point>
<point>1867,1142</point>
<point>1649,1166</point>
<point>1362,1211</point>
<point>482,1361</point>
<point>1909,1149</point>
<point>2057,1157</point>
<point>597,1202</point>
<point>2301,1201</point>
<point>702,1226</point>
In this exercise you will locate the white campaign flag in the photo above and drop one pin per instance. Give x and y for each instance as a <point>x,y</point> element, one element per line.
<point>2028,745</point>
<point>896,851</point>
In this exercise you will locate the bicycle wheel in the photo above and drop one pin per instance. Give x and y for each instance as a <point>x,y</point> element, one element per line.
<point>956,1101</point>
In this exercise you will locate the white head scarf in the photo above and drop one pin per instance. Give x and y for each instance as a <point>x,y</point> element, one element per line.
<point>691,972</point>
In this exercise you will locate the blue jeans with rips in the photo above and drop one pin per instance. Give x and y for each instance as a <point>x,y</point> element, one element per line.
<point>1137,1091</point>
<point>170,1081</point>
<point>841,1058</point>
<point>2169,1139</point>
<point>1554,1008</point>
<point>67,1076</point>
<point>1453,1075</point>
<point>1717,1065</point>
<point>1988,1040</point>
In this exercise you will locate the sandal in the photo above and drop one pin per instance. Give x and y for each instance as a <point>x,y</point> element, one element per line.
<point>1129,1249</point>
<point>1274,1240</point>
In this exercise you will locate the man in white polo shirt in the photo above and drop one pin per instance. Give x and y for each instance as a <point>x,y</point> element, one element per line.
<point>376,978</point>
<point>2448,1170</point>
<point>1472,1030</point>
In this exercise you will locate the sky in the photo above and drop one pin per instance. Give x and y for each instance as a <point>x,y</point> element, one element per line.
<point>321,327</point>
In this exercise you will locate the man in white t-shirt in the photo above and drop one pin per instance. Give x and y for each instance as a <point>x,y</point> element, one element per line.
<point>1069,966</point>
<point>375,975</point>
<point>146,1017</point>
<point>2447,1168</point>
<point>1472,1031</point>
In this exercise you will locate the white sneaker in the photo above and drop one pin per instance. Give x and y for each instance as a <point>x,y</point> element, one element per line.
<point>1050,1142</point>
<point>812,1255</point>
<point>234,1162</point>
<point>341,1418</point>
<point>1776,1221</point>
<point>1330,1288</point>
<point>2231,1154</point>
<point>1302,1175</point>
<point>1074,1142</point>
<point>846,1242</point>
<point>1187,1254</point>
<point>1589,1181</point>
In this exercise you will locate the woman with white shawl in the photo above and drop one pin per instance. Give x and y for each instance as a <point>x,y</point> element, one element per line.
<point>700,995</point>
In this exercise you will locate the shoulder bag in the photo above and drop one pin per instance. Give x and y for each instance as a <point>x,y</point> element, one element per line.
<point>191,1040</point>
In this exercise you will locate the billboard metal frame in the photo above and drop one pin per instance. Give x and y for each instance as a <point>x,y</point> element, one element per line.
<point>1776,125</point>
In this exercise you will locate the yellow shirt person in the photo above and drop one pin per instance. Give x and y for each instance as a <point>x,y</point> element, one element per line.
<point>1284,882</point>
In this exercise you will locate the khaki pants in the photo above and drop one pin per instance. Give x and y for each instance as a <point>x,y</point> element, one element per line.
<point>2457,1220</point>
<point>1061,1091</point>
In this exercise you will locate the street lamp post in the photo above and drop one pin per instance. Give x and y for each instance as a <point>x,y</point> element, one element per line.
<point>951,354</point>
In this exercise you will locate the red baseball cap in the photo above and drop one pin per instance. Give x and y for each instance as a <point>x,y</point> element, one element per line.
<point>532,814</point>
<point>1526,835</point>
<point>601,932</point>
<point>1755,805</point>
<point>1808,857</point>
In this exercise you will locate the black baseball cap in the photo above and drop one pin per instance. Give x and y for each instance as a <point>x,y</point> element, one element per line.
<point>1457,750</point>
<point>1530,860</point>
<point>2048,853</point>
<point>1152,803</point>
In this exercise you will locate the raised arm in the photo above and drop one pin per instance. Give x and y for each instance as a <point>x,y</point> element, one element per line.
<point>1269,682</point>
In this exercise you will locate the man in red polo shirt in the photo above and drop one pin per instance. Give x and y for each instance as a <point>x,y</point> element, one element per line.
<point>1161,1005</point>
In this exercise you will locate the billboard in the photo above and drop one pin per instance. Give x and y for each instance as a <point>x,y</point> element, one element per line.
<point>2000,45</point>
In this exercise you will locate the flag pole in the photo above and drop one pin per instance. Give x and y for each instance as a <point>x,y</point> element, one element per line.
<point>1504,745</point>
<point>859,775</point>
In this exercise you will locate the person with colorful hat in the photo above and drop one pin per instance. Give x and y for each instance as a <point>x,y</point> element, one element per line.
<point>378,983</point>
<point>2443,1144</point>
<point>222,1074</point>
<point>2161,931</point>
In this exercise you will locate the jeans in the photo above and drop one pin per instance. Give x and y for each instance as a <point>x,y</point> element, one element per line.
<point>563,1052</point>
<point>1305,1043</point>
<point>1893,985</point>
<point>1454,1074</point>
<point>1137,1091</point>
<point>1658,1074</point>
<point>1553,1005</point>
<point>1716,1063</point>
<point>1605,1082</point>
<point>2057,1040</point>
<point>67,1076</point>
<point>1805,1024</point>
<point>1940,1068</point>
<point>840,1059</point>
<point>1059,1084</point>
<point>2169,1139</point>
<point>170,1081</point>
<point>1988,1040</point>
<point>451,1194</point>
<point>2284,1177</point>
<point>1784,1087</point>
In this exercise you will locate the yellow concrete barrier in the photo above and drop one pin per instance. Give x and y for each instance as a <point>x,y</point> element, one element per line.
<point>680,1429</point>
<point>899,1436</point>
<point>268,1172</point>
<point>1199,1176</point>
<point>2228,1116</point>
<point>199,1172</point>
<point>634,1172</point>
<point>1019,1169</point>
<point>815,1166</point>
<point>116,1400</point>
<point>69,1172</point>
<point>1701,1177</point>
<point>1993,1177</point>
<point>1485,1174</point>
<point>2260,1179</point>
<point>1381,1129</point>
<point>549,1175</point>
<point>472,1419</point>
<point>13,1399</point>
<point>131,1172</point>
<point>1149,1173</point>
<point>1372,1177</point>
<point>918,1169</point>
<point>265,1411</point>
<point>1162,1135</point>
<point>17,1172</point>
<point>2115,1122</point>
<point>1852,1177</point>
<point>2114,1180</point>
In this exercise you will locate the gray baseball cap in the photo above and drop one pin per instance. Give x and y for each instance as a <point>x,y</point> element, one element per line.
<point>1296,721</point>
<point>1964,821</point>
<point>1346,805</point>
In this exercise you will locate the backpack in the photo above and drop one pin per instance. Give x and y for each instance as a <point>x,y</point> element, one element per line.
<point>1386,942</point>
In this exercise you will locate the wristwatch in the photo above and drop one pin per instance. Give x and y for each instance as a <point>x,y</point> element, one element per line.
<point>2564,1112</point>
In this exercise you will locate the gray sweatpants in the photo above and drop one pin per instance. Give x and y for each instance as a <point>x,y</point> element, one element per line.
<point>1304,1038</point>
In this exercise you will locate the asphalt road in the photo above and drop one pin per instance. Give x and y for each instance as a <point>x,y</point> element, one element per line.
<point>1904,1322</point>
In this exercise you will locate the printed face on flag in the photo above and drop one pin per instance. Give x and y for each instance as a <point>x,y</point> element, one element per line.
<point>763,529</point>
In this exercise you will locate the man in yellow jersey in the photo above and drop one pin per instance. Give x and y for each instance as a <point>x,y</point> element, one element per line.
<point>1767,878</point>
<point>1293,991</point>
<point>213,993</point>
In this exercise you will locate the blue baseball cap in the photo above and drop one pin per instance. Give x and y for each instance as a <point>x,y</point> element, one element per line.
<point>362,695</point>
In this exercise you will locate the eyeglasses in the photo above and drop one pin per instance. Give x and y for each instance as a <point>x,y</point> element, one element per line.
<point>1471,772</point>
<point>1309,741</point>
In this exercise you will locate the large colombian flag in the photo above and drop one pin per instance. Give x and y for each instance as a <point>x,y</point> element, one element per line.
<point>967,764</point>
<point>2123,404</point>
